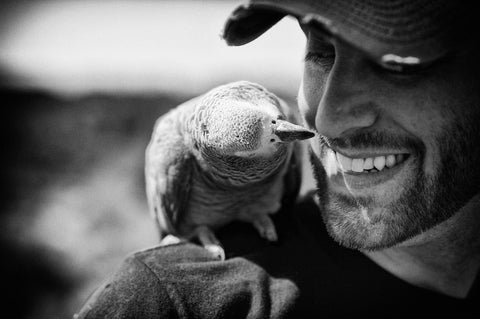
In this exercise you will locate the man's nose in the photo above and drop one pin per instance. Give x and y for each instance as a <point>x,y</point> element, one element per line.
<point>348,100</point>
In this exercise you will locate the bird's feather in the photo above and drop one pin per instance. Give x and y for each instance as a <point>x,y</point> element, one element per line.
<point>168,170</point>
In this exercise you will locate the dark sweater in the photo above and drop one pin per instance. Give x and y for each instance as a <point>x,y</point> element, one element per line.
<point>306,274</point>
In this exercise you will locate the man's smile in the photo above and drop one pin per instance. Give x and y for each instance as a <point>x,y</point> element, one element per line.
<point>362,169</point>
<point>368,164</point>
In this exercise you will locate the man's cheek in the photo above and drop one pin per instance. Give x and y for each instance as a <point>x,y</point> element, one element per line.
<point>307,103</point>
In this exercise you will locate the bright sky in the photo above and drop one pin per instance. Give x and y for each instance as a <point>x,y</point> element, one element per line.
<point>141,46</point>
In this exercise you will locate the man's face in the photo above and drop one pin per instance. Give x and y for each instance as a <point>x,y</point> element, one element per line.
<point>398,148</point>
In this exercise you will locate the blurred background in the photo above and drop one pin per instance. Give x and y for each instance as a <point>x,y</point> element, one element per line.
<point>81,84</point>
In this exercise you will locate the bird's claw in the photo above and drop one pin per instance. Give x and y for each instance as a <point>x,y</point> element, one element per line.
<point>216,251</point>
<point>265,227</point>
<point>269,234</point>
<point>170,240</point>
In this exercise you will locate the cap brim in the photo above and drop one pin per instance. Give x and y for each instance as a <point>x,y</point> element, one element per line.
<point>248,22</point>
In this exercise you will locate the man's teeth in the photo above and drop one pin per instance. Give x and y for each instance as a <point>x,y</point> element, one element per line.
<point>369,164</point>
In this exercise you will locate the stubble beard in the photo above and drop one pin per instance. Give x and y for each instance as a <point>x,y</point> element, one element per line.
<point>425,201</point>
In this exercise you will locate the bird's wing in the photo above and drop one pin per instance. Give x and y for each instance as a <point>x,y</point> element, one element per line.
<point>168,170</point>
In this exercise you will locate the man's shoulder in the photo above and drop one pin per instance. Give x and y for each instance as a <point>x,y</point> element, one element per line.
<point>181,253</point>
<point>257,276</point>
<point>190,264</point>
<point>191,281</point>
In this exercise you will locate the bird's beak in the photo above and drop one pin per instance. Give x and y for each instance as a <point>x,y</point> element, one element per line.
<point>289,132</point>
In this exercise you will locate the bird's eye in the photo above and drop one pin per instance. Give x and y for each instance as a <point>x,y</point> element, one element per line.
<point>272,140</point>
<point>274,122</point>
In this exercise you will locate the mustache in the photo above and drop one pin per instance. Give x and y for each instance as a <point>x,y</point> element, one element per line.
<point>372,140</point>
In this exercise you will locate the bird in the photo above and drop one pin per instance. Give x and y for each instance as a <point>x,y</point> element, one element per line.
<point>221,157</point>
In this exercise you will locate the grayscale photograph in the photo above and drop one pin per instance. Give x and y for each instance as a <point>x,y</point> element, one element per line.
<point>240,159</point>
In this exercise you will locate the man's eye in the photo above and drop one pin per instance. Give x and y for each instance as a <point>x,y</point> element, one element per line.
<point>322,59</point>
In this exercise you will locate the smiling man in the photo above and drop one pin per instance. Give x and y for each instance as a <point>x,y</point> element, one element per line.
<point>398,140</point>
<point>392,89</point>
<point>397,150</point>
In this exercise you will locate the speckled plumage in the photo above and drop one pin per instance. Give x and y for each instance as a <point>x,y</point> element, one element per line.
<point>216,159</point>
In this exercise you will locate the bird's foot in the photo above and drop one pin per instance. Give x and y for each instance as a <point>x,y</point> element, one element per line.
<point>170,240</point>
<point>209,241</point>
<point>265,227</point>
<point>216,250</point>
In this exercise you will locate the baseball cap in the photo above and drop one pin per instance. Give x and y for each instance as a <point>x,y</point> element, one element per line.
<point>391,31</point>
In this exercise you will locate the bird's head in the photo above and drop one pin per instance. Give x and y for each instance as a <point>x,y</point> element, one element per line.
<point>248,125</point>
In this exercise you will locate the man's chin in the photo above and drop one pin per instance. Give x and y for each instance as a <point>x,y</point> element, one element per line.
<point>360,224</point>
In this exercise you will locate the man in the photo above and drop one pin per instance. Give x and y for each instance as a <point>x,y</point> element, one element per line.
<point>392,89</point>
